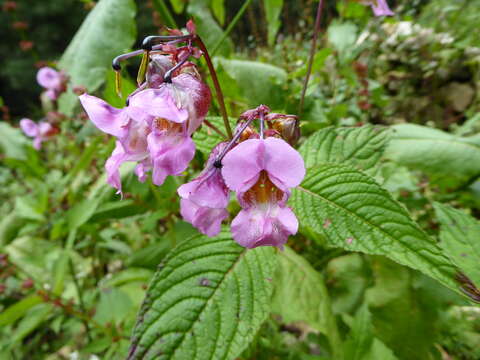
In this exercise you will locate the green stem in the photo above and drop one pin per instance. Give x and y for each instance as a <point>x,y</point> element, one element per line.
<point>216,84</point>
<point>231,26</point>
<point>312,54</point>
<point>80,298</point>
<point>165,13</point>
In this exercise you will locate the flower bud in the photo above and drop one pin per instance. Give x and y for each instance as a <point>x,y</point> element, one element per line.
<point>286,125</point>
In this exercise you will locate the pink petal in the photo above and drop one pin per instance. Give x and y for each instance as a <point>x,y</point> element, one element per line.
<point>283,163</point>
<point>159,103</point>
<point>105,117</point>
<point>44,128</point>
<point>37,142</point>
<point>247,227</point>
<point>208,190</point>
<point>207,220</point>
<point>242,165</point>
<point>29,127</point>
<point>49,78</point>
<point>170,154</point>
<point>380,8</point>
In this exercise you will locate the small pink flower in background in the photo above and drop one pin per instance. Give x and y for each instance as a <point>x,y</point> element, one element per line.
<point>40,132</point>
<point>204,199</point>
<point>380,8</point>
<point>52,80</point>
<point>262,172</point>
<point>154,129</point>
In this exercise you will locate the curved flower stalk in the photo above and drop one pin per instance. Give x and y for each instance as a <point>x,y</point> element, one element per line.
<point>53,81</point>
<point>154,128</point>
<point>39,132</point>
<point>262,168</point>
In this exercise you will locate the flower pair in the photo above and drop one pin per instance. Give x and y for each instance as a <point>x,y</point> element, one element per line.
<point>261,170</point>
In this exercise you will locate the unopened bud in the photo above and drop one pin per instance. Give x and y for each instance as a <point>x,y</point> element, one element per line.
<point>79,90</point>
<point>9,6</point>
<point>26,45</point>
<point>286,125</point>
<point>27,284</point>
<point>20,25</point>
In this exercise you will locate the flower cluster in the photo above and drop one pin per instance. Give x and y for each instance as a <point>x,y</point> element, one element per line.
<point>155,130</point>
<point>53,81</point>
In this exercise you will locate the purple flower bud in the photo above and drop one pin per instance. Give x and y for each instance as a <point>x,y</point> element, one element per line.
<point>286,125</point>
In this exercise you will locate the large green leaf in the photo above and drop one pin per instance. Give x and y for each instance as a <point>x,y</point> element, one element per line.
<point>300,295</point>
<point>404,314</point>
<point>435,152</point>
<point>206,301</point>
<point>460,235</point>
<point>260,83</point>
<point>106,32</point>
<point>353,212</point>
<point>361,147</point>
<point>361,343</point>
<point>273,9</point>
<point>12,142</point>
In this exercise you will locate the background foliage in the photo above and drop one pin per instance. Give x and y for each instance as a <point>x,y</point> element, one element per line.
<point>385,265</point>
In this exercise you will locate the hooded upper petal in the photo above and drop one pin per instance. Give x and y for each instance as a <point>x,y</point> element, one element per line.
<point>49,78</point>
<point>29,127</point>
<point>242,164</point>
<point>110,120</point>
<point>283,163</point>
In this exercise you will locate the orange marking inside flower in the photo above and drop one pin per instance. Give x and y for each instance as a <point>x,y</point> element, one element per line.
<point>263,191</point>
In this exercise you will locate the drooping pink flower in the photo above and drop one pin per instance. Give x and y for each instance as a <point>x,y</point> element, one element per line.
<point>204,199</point>
<point>380,8</point>
<point>52,80</point>
<point>262,172</point>
<point>154,129</point>
<point>40,132</point>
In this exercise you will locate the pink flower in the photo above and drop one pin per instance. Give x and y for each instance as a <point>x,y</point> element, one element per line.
<point>204,199</point>
<point>51,80</point>
<point>40,132</point>
<point>262,172</point>
<point>380,8</point>
<point>154,129</point>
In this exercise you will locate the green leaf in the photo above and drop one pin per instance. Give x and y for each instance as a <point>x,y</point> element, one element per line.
<point>17,310</point>
<point>218,9</point>
<point>81,213</point>
<point>361,343</point>
<point>33,318</point>
<point>117,210</point>
<point>178,5</point>
<point>12,142</point>
<point>127,86</point>
<point>107,31</point>
<point>260,83</point>
<point>435,152</point>
<point>207,27</point>
<point>353,212</point>
<point>165,13</point>
<point>207,301</point>
<point>403,314</point>
<point>114,306</point>
<point>342,36</point>
<point>460,234</point>
<point>206,139</point>
<point>300,295</point>
<point>273,9</point>
<point>361,147</point>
